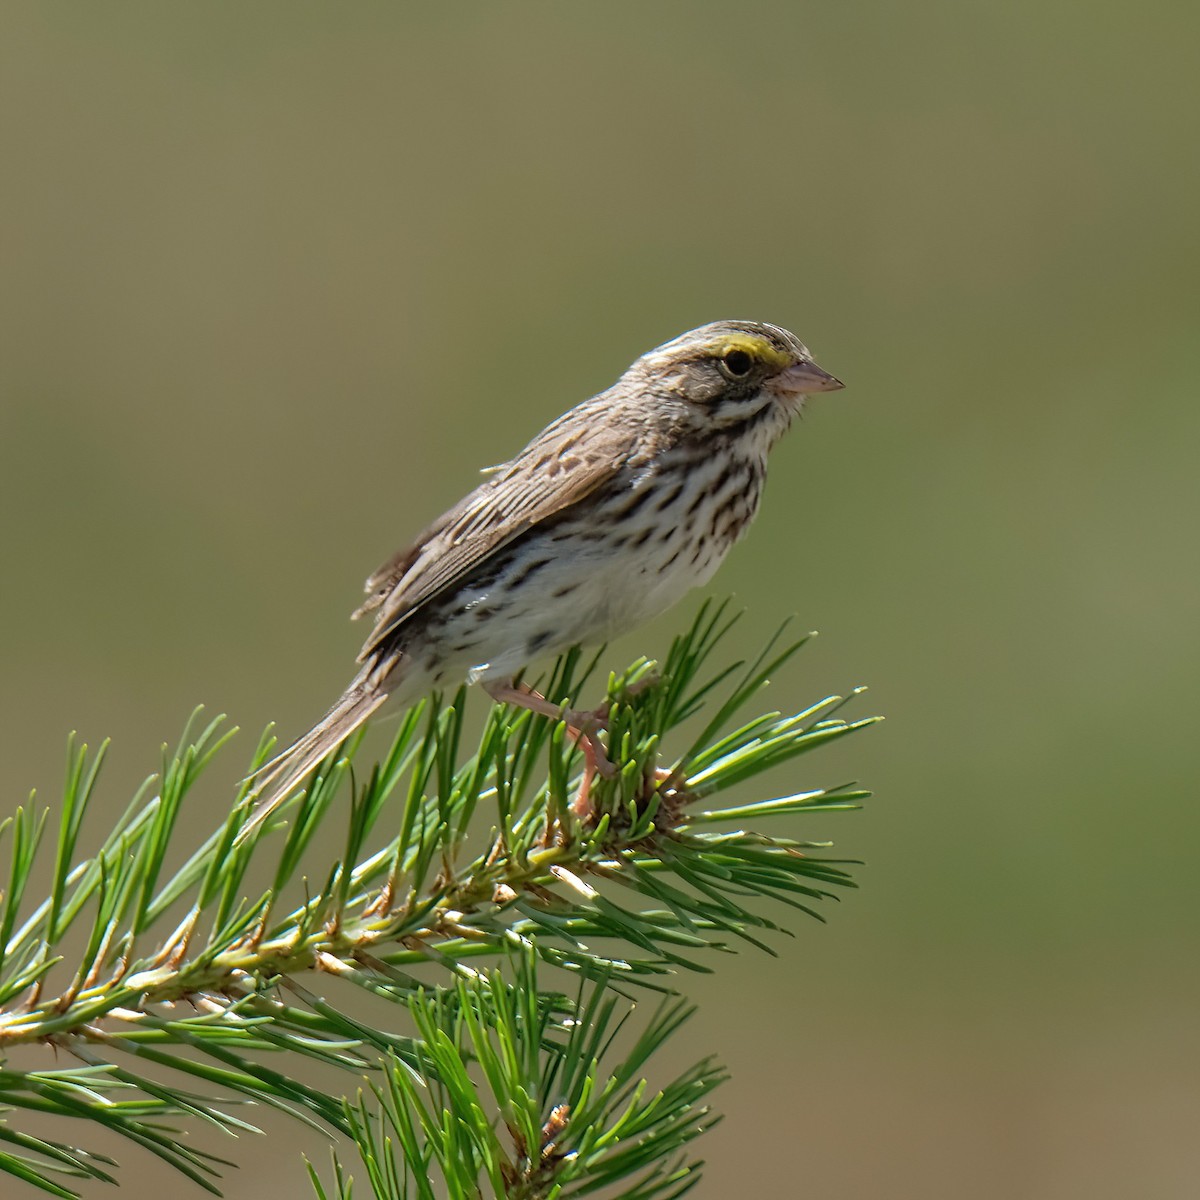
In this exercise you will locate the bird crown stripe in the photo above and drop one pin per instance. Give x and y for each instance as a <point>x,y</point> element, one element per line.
<point>719,343</point>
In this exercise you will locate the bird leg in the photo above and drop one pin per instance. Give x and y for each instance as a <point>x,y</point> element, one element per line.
<point>581,726</point>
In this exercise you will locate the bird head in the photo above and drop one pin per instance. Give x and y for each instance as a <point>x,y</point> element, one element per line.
<point>729,371</point>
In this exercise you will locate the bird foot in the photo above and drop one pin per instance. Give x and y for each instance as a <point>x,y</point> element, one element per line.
<point>582,725</point>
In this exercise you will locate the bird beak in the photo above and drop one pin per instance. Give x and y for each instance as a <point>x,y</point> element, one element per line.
<point>805,378</point>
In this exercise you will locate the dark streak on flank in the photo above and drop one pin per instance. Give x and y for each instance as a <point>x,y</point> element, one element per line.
<point>539,642</point>
<point>639,498</point>
<point>527,572</point>
<point>669,497</point>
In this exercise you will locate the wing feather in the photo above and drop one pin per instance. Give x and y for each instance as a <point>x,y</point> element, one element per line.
<point>558,469</point>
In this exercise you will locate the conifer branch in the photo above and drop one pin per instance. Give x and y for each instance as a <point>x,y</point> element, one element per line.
<point>151,979</point>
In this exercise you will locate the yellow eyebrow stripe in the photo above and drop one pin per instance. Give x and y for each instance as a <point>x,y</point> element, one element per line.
<point>758,348</point>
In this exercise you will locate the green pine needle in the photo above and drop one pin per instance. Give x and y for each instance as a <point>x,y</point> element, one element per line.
<point>143,980</point>
<point>545,1112</point>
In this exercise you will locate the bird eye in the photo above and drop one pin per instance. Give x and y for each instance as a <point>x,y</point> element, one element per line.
<point>738,363</point>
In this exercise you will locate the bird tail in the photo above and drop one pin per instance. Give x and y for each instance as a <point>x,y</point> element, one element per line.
<point>277,779</point>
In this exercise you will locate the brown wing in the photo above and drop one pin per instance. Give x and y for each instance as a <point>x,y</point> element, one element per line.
<point>559,468</point>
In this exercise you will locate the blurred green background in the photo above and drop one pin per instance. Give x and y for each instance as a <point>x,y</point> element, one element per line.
<point>278,279</point>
